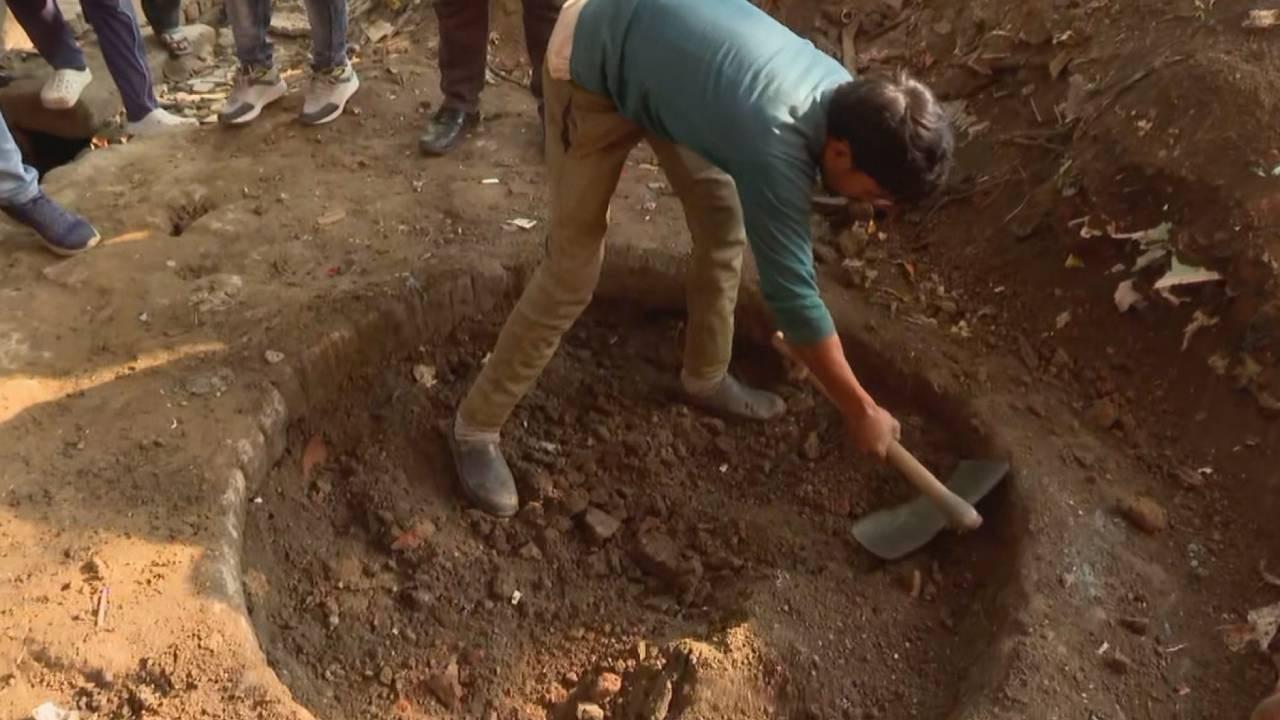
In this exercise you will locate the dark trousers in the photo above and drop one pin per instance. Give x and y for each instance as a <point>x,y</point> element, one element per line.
<point>164,16</point>
<point>464,47</point>
<point>118,35</point>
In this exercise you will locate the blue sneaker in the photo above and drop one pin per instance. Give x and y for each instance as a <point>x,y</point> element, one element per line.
<point>63,232</point>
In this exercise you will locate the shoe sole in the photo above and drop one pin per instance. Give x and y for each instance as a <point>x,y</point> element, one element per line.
<point>67,252</point>
<point>336,112</point>
<point>254,110</point>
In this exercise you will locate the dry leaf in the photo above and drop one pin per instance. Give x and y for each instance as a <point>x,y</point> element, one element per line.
<point>314,454</point>
<point>1267,577</point>
<point>1261,628</point>
<point>331,217</point>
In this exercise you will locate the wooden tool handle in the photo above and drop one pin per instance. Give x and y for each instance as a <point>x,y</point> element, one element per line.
<point>960,514</point>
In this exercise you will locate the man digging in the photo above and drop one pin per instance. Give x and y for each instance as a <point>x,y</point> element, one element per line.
<point>743,115</point>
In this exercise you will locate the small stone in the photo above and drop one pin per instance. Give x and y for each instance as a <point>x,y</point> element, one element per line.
<point>852,242</point>
<point>226,40</point>
<point>95,568</point>
<point>577,501</point>
<point>415,537</point>
<point>503,586</point>
<point>600,525</point>
<point>1136,625</point>
<point>1146,514</point>
<point>425,375</point>
<point>812,448</point>
<point>606,685</point>
<point>1104,414</point>
<point>214,382</point>
<point>445,686</point>
<point>273,357</point>
<point>530,551</point>
<point>1117,663</point>
<point>658,555</point>
<point>570,679</point>
<point>420,599</point>
<point>590,711</point>
<point>290,23</point>
<point>386,676</point>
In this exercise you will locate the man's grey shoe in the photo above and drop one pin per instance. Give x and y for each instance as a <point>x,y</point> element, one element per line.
<point>733,399</point>
<point>485,477</point>
<point>255,88</point>
<point>328,94</point>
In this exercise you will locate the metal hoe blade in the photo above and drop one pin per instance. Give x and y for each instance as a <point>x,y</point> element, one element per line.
<point>899,531</point>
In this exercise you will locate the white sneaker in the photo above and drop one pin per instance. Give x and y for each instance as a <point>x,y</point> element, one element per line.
<point>159,122</point>
<point>254,90</point>
<point>328,94</point>
<point>63,89</point>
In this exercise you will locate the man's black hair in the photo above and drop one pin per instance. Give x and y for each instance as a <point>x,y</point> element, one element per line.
<point>898,132</point>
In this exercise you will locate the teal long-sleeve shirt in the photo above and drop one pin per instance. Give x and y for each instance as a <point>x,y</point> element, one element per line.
<point>729,82</point>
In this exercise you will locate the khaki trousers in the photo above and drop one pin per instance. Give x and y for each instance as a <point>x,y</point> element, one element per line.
<point>587,144</point>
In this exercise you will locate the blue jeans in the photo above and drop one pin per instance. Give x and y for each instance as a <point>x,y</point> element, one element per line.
<point>117,29</point>
<point>18,181</point>
<point>250,20</point>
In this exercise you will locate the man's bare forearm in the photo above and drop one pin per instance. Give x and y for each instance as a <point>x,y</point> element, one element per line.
<point>826,360</point>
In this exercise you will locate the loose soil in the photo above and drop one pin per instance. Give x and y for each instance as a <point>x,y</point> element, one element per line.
<point>121,370</point>
<point>645,525</point>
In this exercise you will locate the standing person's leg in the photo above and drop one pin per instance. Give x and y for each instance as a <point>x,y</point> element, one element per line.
<point>464,53</point>
<point>714,216</point>
<point>333,80</point>
<point>165,19</point>
<point>258,83</point>
<point>116,26</point>
<point>52,38</point>
<point>117,30</point>
<point>585,155</point>
<point>63,232</point>
<point>539,19</point>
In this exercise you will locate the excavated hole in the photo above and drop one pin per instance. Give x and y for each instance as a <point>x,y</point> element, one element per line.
<point>44,151</point>
<point>185,214</point>
<point>731,588</point>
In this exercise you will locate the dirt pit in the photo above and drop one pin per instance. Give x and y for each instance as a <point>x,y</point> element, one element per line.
<point>664,564</point>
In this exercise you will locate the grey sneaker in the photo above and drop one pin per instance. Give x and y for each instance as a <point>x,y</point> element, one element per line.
<point>733,399</point>
<point>255,88</point>
<point>328,94</point>
<point>485,477</point>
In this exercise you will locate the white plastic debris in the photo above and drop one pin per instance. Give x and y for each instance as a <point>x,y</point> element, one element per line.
<point>490,181</point>
<point>1064,317</point>
<point>521,224</point>
<point>49,711</point>
<point>1126,297</point>
<point>1261,19</point>
<point>1150,257</point>
<point>516,595</point>
<point>1198,321</point>
<point>425,375</point>
<point>273,357</point>
<point>1181,274</point>
<point>1150,236</point>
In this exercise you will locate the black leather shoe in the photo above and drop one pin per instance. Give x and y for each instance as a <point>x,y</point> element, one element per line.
<point>484,475</point>
<point>446,130</point>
